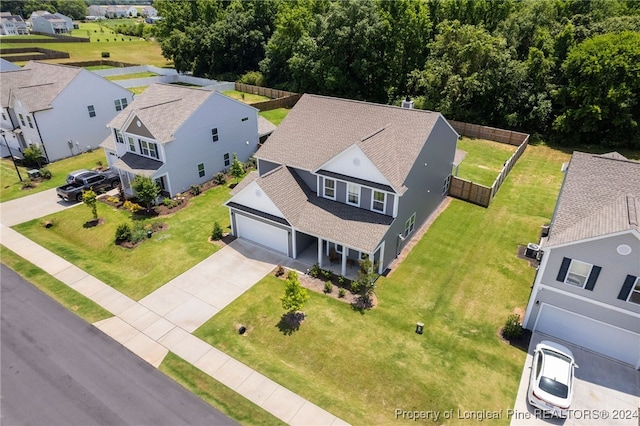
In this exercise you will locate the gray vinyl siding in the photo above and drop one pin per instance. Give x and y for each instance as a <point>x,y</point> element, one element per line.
<point>341,192</point>
<point>309,178</point>
<point>601,252</point>
<point>365,197</point>
<point>389,206</point>
<point>424,185</point>
<point>265,166</point>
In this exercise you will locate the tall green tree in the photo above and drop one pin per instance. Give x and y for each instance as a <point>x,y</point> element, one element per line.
<point>295,296</point>
<point>74,9</point>
<point>600,103</point>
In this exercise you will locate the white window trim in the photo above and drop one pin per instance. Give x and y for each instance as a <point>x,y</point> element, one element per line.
<point>338,250</point>
<point>633,290</point>
<point>586,278</point>
<point>373,200</point>
<point>324,188</point>
<point>149,144</point>
<point>358,189</point>
<point>410,225</point>
<point>132,144</point>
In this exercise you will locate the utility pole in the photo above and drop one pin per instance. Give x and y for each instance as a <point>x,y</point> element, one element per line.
<point>2,132</point>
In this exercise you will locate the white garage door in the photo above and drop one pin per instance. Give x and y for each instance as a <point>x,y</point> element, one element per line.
<point>262,233</point>
<point>611,341</point>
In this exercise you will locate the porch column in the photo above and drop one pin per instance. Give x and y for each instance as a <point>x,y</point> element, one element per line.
<point>343,271</point>
<point>320,252</point>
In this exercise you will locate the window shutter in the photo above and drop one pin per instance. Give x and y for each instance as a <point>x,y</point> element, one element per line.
<point>626,287</point>
<point>593,277</point>
<point>564,268</point>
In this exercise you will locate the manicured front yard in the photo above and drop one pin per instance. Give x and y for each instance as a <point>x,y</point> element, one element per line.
<point>11,186</point>
<point>135,272</point>
<point>484,159</point>
<point>461,280</point>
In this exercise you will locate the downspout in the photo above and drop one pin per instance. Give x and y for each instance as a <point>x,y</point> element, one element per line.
<point>44,148</point>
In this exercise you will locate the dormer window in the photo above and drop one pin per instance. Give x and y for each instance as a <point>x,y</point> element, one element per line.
<point>330,188</point>
<point>378,201</point>
<point>353,194</point>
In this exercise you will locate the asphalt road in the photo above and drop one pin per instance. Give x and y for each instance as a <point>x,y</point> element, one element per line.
<point>59,370</point>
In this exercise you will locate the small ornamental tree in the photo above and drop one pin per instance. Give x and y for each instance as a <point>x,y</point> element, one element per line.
<point>217,232</point>
<point>294,295</point>
<point>33,155</point>
<point>89,198</point>
<point>146,190</point>
<point>365,280</point>
<point>237,168</point>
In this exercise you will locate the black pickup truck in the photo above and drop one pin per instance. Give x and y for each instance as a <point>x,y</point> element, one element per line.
<point>96,181</point>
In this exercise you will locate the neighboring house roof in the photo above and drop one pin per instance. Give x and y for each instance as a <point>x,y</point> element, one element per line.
<point>265,127</point>
<point>391,137</point>
<point>358,228</point>
<point>36,85</point>
<point>8,66</point>
<point>600,195</point>
<point>163,108</point>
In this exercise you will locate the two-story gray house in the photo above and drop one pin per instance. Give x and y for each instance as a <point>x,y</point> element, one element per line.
<point>345,179</point>
<point>179,136</point>
<point>586,290</point>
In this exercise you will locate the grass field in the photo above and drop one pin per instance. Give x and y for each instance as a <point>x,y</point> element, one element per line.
<point>11,186</point>
<point>248,98</point>
<point>484,159</point>
<point>461,280</point>
<point>275,115</point>
<point>134,272</point>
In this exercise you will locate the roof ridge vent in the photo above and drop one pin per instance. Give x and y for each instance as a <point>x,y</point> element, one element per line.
<point>632,211</point>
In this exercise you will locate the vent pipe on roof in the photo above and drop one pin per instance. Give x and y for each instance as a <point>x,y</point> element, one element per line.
<point>407,103</point>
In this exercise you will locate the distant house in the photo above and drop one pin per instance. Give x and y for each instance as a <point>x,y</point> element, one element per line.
<point>132,12</point>
<point>50,23</point>
<point>149,11</point>
<point>12,24</point>
<point>587,288</point>
<point>96,10</point>
<point>179,136</point>
<point>343,180</point>
<point>62,109</point>
<point>116,12</point>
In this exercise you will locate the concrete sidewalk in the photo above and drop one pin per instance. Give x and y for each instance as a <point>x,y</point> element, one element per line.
<point>164,320</point>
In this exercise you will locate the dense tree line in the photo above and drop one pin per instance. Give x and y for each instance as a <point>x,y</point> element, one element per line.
<point>74,9</point>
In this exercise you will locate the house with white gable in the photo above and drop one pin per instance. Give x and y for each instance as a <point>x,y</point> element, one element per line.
<point>50,23</point>
<point>340,180</point>
<point>62,109</point>
<point>12,24</point>
<point>587,287</point>
<point>179,136</point>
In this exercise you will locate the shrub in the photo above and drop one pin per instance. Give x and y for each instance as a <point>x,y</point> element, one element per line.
<point>123,232</point>
<point>33,156</point>
<point>341,280</point>
<point>328,287</point>
<point>315,270</point>
<point>195,190</point>
<point>216,234</point>
<point>341,293</point>
<point>28,184</point>
<point>220,178</point>
<point>139,233</point>
<point>254,78</point>
<point>512,327</point>
<point>45,173</point>
<point>132,207</point>
<point>169,202</point>
<point>326,274</point>
<point>251,163</point>
<point>113,199</point>
<point>280,271</point>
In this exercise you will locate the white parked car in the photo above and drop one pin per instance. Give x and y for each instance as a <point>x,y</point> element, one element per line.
<point>551,382</point>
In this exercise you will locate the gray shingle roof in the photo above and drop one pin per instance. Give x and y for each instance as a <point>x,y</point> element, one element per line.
<point>36,85</point>
<point>319,128</point>
<point>600,195</point>
<point>354,227</point>
<point>265,127</point>
<point>137,164</point>
<point>163,108</point>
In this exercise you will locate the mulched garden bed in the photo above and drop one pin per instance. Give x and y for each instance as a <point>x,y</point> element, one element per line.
<point>155,228</point>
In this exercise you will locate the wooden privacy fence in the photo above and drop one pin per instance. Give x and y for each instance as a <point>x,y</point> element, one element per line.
<point>279,98</point>
<point>475,192</point>
<point>57,38</point>
<point>16,54</point>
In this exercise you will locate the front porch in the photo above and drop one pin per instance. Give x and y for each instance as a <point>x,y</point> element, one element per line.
<point>311,256</point>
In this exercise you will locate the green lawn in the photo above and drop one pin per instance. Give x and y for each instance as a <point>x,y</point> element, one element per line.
<point>143,74</point>
<point>484,159</point>
<point>11,186</point>
<point>60,292</point>
<point>461,280</point>
<point>138,89</point>
<point>248,98</point>
<point>275,115</point>
<point>215,393</point>
<point>139,271</point>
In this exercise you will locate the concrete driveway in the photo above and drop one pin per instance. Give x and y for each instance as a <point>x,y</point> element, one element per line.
<point>32,207</point>
<point>605,391</point>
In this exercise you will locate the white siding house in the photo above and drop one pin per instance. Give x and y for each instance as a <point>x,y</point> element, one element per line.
<point>587,290</point>
<point>180,136</point>
<point>62,109</point>
<point>50,23</point>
